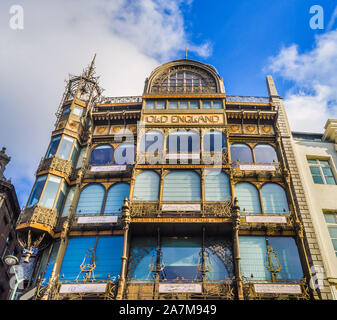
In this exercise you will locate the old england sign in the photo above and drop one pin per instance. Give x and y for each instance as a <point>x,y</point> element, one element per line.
<point>185,119</point>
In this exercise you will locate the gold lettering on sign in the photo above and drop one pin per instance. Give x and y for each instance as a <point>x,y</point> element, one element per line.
<point>184,119</point>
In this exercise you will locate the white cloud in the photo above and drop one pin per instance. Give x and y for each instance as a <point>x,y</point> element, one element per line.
<point>312,99</point>
<point>130,38</point>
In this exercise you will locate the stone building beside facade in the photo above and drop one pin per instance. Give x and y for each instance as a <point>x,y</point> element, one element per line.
<point>184,192</point>
<point>9,213</point>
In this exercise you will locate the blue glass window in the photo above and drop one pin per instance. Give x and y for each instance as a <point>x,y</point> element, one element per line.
<point>182,258</point>
<point>182,185</point>
<point>68,202</point>
<point>91,200</point>
<point>274,199</point>
<point>173,104</point>
<point>106,252</point>
<point>125,154</point>
<point>219,258</point>
<point>74,153</point>
<point>65,147</point>
<point>253,257</point>
<point>142,256</point>
<point>51,262</point>
<point>66,109</point>
<point>50,192</point>
<point>264,153</point>
<point>101,155</point>
<point>194,104</point>
<point>241,153</point>
<point>61,197</point>
<point>149,105</point>
<point>248,197</point>
<point>217,186</point>
<point>53,146</point>
<point>214,141</point>
<point>206,104</point>
<point>115,198</point>
<point>146,186</point>
<point>152,141</point>
<point>183,142</point>
<point>37,189</point>
<point>217,104</point>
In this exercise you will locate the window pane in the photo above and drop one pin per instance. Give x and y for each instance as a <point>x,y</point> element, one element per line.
<point>61,197</point>
<point>152,141</point>
<point>75,153</point>
<point>91,200</point>
<point>248,197</point>
<point>265,153</point>
<point>214,141</point>
<point>183,142</point>
<point>324,162</point>
<point>318,179</point>
<point>183,104</point>
<point>330,180</point>
<point>181,258</point>
<point>68,202</point>
<point>34,198</point>
<point>80,158</point>
<point>288,257</point>
<point>194,104</point>
<point>182,186</point>
<point>146,186</point>
<point>333,232</point>
<point>173,105</point>
<point>51,262</point>
<point>330,218</point>
<point>142,255</point>
<point>253,257</point>
<point>217,104</point>
<point>312,161</point>
<point>160,105</point>
<point>274,199</point>
<point>241,153</point>
<point>334,242</point>
<point>65,148</point>
<point>115,199</point>
<point>125,154</point>
<point>219,258</point>
<point>217,187</point>
<point>206,104</point>
<point>149,105</point>
<point>315,170</point>
<point>53,146</point>
<point>66,110</point>
<point>101,155</point>
<point>50,192</point>
<point>78,111</point>
<point>327,172</point>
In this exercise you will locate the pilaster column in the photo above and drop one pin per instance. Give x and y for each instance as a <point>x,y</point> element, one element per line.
<point>237,267</point>
<point>126,224</point>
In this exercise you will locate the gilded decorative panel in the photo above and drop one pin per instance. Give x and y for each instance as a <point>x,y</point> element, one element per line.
<point>250,129</point>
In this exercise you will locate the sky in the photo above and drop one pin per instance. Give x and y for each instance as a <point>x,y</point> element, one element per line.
<point>244,40</point>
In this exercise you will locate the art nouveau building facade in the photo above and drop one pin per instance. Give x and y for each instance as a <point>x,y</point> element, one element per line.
<point>183,192</point>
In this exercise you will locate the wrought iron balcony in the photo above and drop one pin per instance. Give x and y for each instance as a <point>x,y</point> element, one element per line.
<point>37,214</point>
<point>185,290</point>
<point>55,163</point>
<point>142,209</point>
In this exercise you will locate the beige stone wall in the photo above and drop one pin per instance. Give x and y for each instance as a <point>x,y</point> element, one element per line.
<point>321,197</point>
<point>300,198</point>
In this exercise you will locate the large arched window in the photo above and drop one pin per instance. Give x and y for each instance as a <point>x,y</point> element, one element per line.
<point>183,142</point>
<point>265,153</point>
<point>241,153</point>
<point>274,199</point>
<point>101,155</point>
<point>91,200</point>
<point>216,186</point>
<point>248,197</point>
<point>184,81</point>
<point>146,186</point>
<point>182,186</point>
<point>214,141</point>
<point>152,141</point>
<point>115,198</point>
<point>125,154</point>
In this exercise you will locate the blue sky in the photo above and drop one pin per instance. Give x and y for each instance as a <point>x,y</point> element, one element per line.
<point>243,40</point>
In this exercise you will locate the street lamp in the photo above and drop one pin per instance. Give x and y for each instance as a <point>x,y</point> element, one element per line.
<point>12,261</point>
